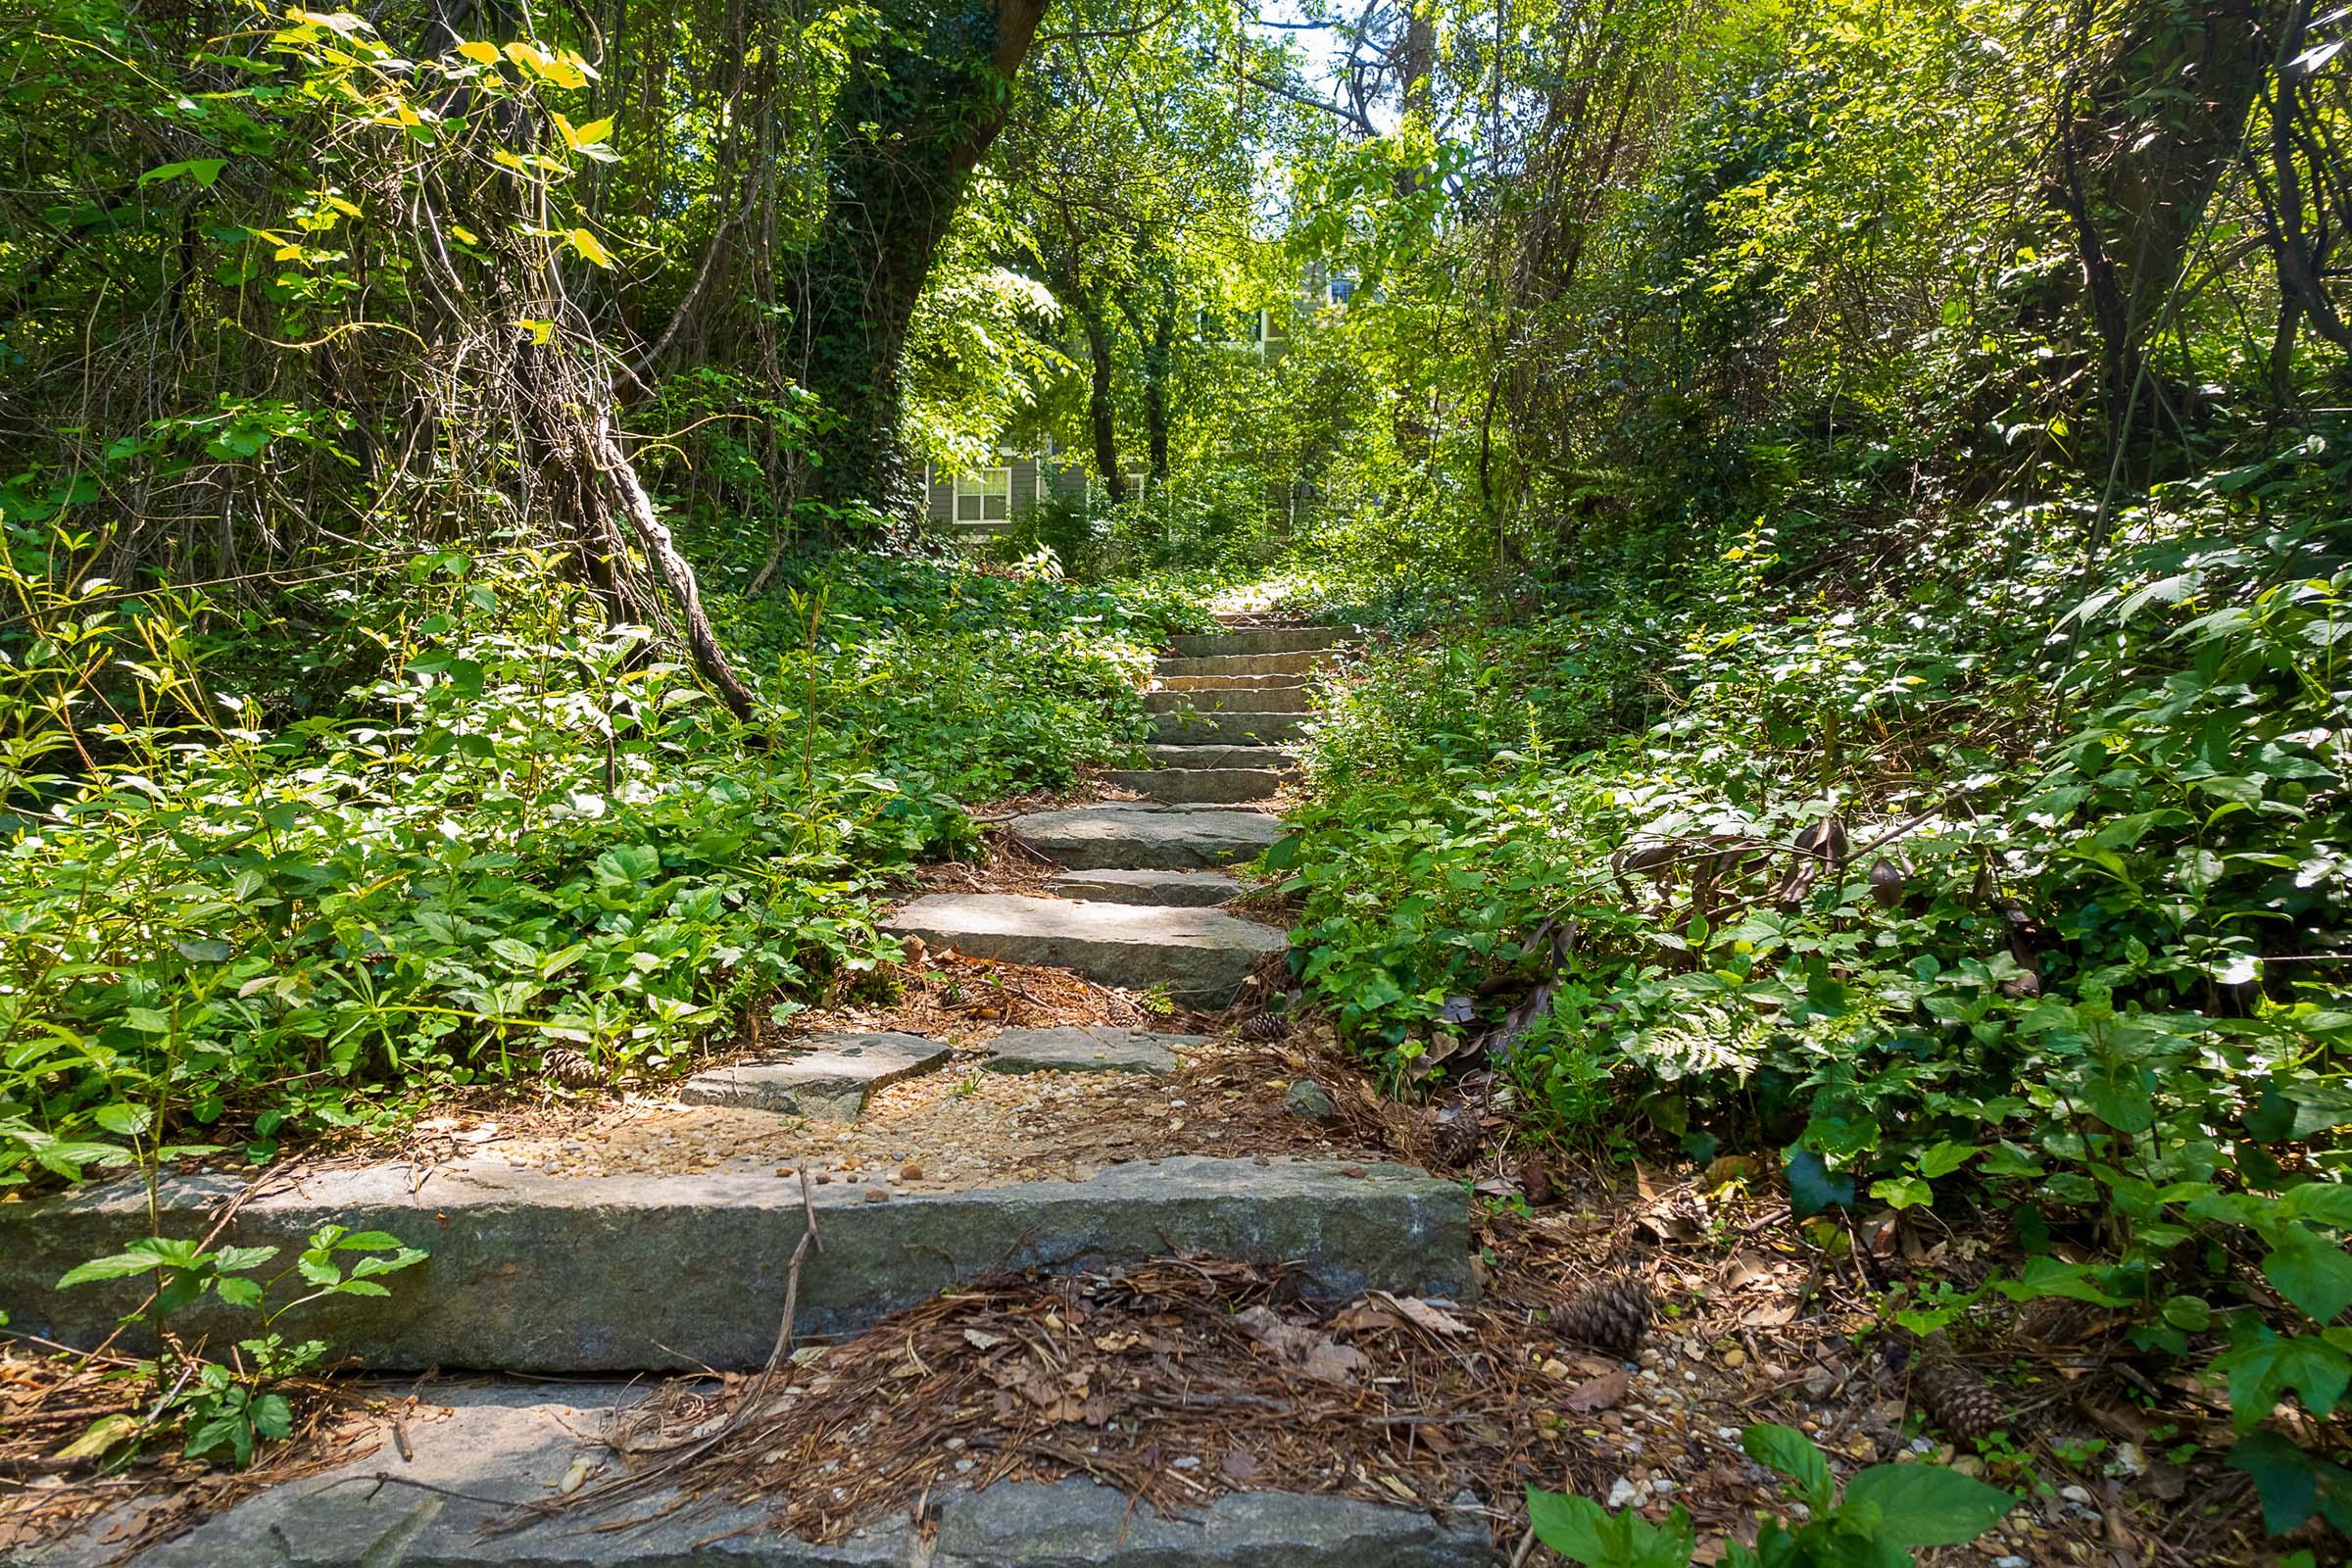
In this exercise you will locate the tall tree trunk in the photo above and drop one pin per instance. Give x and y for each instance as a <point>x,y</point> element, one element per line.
<point>2140,156</point>
<point>1156,331</point>
<point>921,105</point>
<point>1101,408</point>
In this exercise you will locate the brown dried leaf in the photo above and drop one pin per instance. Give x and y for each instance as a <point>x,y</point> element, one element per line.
<point>1423,1313</point>
<point>1600,1394</point>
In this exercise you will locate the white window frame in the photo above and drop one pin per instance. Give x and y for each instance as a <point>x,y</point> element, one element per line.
<point>980,488</point>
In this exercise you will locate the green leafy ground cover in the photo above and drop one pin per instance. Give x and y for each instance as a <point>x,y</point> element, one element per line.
<point>498,824</point>
<point>2017,894</point>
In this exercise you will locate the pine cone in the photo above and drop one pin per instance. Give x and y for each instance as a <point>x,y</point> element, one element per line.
<point>1265,1026</point>
<point>1613,1314</point>
<point>1957,1400</point>
<point>569,1068</point>
<point>1459,1135</point>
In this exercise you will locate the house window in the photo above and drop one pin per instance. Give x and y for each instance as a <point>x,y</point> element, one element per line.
<point>984,497</point>
<point>1277,328</point>
<point>1341,289</point>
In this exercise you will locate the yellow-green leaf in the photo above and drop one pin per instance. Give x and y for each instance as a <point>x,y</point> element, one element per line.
<point>541,332</point>
<point>475,49</point>
<point>102,1435</point>
<point>589,246</point>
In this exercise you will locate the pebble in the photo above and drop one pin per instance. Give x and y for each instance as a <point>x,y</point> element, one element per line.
<point>1187,1462</point>
<point>1623,1492</point>
<point>912,1171</point>
<point>877,1194</point>
<point>962,1465</point>
<point>1921,1446</point>
<point>955,1443</point>
<point>2075,1494</point>
<point>2011,1562</point>
<point>1735,1358</point>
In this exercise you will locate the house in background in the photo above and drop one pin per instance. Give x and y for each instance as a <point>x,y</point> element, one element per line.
<point>984,502</point>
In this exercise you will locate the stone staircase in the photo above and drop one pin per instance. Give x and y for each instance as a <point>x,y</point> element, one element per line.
<point>568,1277</point>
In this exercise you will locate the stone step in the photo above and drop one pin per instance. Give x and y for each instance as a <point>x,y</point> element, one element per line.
<point>1140,837</point>
<point>1083,1048</point>
<point>1249,700</point>
<point>1269,756</point>
<point>1166,888</point>
<point>1194,728</point>
<point>505,1444</point>
<point>1198,785</point>
<point>1264,640</point>
<point>535,1273</point>
<point>825,1078</point>
<point>1297,666</point>
<point>1225,683</point>
<point>1200,956</point>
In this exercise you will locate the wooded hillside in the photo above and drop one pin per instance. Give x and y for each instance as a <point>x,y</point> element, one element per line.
<point>527,531</point>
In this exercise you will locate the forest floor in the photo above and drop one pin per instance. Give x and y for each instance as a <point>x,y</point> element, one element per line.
<point>1178,1380</point>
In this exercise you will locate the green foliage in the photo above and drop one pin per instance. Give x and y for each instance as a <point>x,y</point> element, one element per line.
<point>223,1410</point>
<point>519,827</point>
<point>2090,985</point>
<point>1887,1510</point>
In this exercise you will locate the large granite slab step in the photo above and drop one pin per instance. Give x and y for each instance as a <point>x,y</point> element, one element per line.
<point>1224,683</point>
<point>1275,757</point>
<point>1147,837</point>
<point>1204,785</point>
<point>1200,956</point>
<point>1260,639</point>
<point>1244,700</point>
<point>505,1444</point>
<point>535,1273</point>
<point>1192,727</point>
<point>828,1080</point>
<point>1292,666</point>
<point>1170,889</point>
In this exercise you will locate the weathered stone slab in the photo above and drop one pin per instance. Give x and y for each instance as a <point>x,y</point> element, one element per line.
<point>543,1273</point>
<point>1166,888</point>
<point>1185,785</point>
<point>1201,955</point>
<point>1147,837</point>
<point>1280,667</point>
<point>1266,756</point>
<point>830,1082</point>
<point>502,1443</point>
<point>1260,639</point>
<point>1225,683</point>
<point>1195,728</point>
<point>1075,1524</point>
<point>1080,1049</point>
<point>1244,700</point>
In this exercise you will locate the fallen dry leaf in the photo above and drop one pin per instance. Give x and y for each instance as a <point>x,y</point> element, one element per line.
<point>1423,1313</point>
<point>1598,1393</point>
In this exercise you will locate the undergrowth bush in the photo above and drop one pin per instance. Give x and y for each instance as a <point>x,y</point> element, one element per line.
<point>2025,894</point>
<point>227,916</point>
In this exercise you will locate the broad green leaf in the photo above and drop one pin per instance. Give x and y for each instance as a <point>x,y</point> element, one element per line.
<point>1792,1453</point>
<point>1928,1506</point>
<point>2309,1271</point>
<point>119,1267</point>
